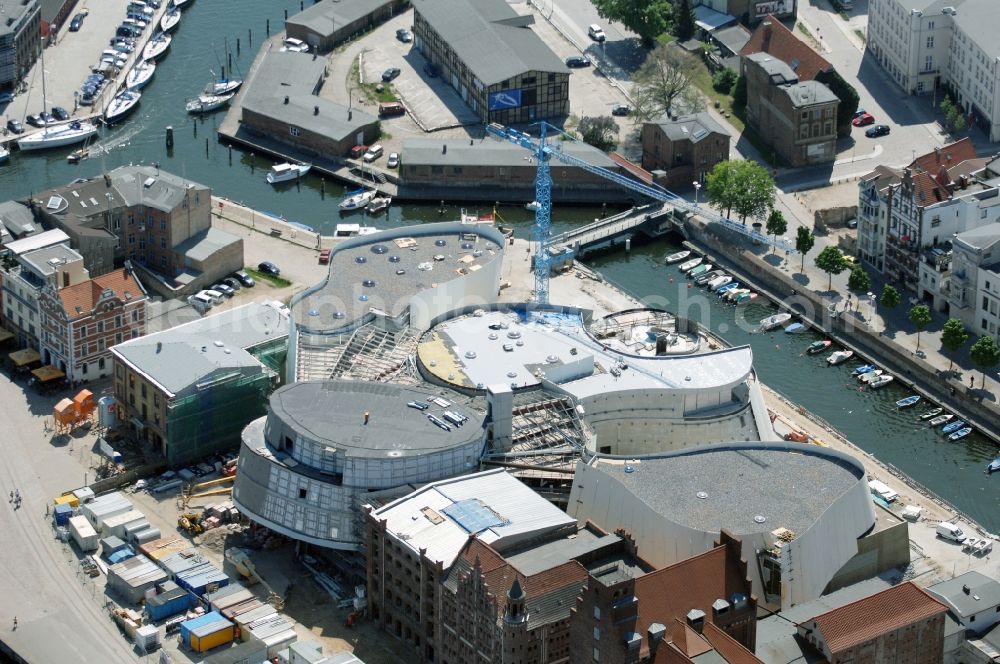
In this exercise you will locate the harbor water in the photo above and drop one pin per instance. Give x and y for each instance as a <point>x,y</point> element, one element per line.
<point>869,419</point>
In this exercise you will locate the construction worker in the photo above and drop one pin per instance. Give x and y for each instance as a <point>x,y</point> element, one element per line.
<point>15,623</point>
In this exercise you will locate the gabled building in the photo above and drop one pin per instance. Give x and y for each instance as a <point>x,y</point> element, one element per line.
<point>16,222</point>
<point>685,149</point>
<point>328,23</point>
<point>772,38</point>
<point>81,323</point>
<point>972,598</point>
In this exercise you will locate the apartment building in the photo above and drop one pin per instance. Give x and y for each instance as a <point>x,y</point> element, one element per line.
<point>974,289</point>
<point>685,149</point>
<point>20,40</point>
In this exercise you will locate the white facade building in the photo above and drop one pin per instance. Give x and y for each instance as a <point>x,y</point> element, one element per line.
<point>974,292</point>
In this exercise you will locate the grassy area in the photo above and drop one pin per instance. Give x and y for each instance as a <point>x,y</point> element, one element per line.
<point>278,282</point>
<point>374,92</point>
<point>805,31</point>
<point>723,102</point>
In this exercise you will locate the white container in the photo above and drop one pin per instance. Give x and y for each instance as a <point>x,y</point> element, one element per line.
<point>83,533</point>
<point>115,525</point>
<point>147,638</point>
<point>882,490</point>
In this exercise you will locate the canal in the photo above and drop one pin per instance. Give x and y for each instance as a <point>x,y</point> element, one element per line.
<point>953,470</point>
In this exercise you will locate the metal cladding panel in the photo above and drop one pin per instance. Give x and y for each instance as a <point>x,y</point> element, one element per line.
<point>211,636</point>
<point>232,599</point>
<point>233,612</point>
<point>188,625</point>
<point>177,563</point>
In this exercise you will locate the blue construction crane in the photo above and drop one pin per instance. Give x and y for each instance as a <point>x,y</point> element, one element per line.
<point>543,151</point>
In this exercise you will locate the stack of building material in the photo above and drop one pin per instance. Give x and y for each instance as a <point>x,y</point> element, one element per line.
<point>231,595</point>
<point>148,535</point>
<point>115,525</point>
<point>232,612</point>
<point>171,600</point>
<point>132,578</point>
<point>207,632</point>
<point>105,507</point>
<point>62,513</point>
<point>164,547</point>
<point>82,533</point>
<point>264,612</point>
<point>67,499</point>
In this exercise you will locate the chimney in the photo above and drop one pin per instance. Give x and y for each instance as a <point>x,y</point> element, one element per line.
<point>286,100</point>
<point>367,415</point>
<point>655,633</point>
<point>696,619</point>
<point>159,346</point>
<point>315,110</point>
<point>966,589</point>
<point>937,154</point>
<point>719,607</point>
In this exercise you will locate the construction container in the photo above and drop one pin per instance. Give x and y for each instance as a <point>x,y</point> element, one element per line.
<point>133,527</point>
<point>112,544</point>
<point>121,555</point>
<point>62,513</point>
<point>222,599</point>
<point>182,561</point>
<point>199,579</point>
<point>84,494</point>
<point>164,547</point>
<point>82,533</point>
<point>275,638</point>
<point>147,535</point>
<point>169,603</point>
<point>147,638</point>
<point>132,578</point>
<point>67,499</point>
<point>83,402</point>
<point>207,632</point>
<point>64,413</point>
<point>244,620</point>
<point>115,525</point>
<point>232,612</point>
<point>104,507</point>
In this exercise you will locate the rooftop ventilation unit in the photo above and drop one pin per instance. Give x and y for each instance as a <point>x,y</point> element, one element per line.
<point>148,182</point>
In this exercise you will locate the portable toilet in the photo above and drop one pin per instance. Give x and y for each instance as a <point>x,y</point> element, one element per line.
<point>62,513</point>
<point>84,403</point>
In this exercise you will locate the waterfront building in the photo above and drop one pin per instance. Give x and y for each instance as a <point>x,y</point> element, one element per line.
<point>685,149</point>
<point>803,514</point>
<point>974,288</point>
<point>796,117</point>
<point>328,23</point>
<point>191,389</point>
<point>495,62</point>
<point>16,222</point>
<point>81,323</point>
<point>973,599</point>
<point>34,263</point>
<point>20,41</point>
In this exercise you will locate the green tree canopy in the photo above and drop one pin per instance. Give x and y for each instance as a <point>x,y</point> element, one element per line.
<point>601,132</point>
<point>724,80</point>
<point>890,297</point>
<point>665,84</point>
<point>684,26</point>
<point>953,337</point>
<point>741,186</point>
<point>920,316</point>
<point>831,261</point>
<point>776,224</point>
<point>859,280</point>
<point>647,18</point>
<point>804,242</point>
<point>985,354</point>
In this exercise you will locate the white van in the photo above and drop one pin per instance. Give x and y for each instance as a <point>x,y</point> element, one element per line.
<point>596,33</point>
<point>950,531</point>
<point>215,295</point>
<point>882,490</point>
<point>200,301</point>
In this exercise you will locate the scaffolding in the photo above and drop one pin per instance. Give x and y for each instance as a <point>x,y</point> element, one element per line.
<point>369,353</point>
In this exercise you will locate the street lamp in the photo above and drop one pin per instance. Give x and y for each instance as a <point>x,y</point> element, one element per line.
<point>697,187</point>
<point>871,303</point>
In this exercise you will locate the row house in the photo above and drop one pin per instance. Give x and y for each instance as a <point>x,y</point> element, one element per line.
<point>81,323</point>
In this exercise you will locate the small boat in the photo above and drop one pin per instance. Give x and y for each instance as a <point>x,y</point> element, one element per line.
<point>730,296</point>
<point>908,401</point>
<point>170,20</point>
<point>180,4</point>
<point>208,103</point>
<point>4,154</point>
<point>796,328</point>
<point>777,320</point>
<point>76,156</point>
<point>881,381</point>
<point>993,466</point>
<point>960,434</point>
<point>357,200</point>
<point>534,206</point>
<point>863,369</point>
<point>699,269</point>
<point>719,282</point>
<point>706,277</point>
<point>379,204</point>
<point>818,346</point>
<point>57,136</point>
<point>677,257</point>
<point>684,267</point>
<point>122,104</point>
<point>728,287</point>
<point>954,426</point>
<point>941,419</point>
<point>286,172</point>
<point>870,376</point>
<point>223,86</point>
<point>156,46</point>
<point>745,297</point>
<point>839,357</point>
<point>932,413</point>
<point>139,75</point>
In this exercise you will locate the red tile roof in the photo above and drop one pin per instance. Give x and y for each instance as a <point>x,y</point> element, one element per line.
<point>79,300</point>
<point>949,155</point>
<point>875,615</point>
<point>773,38</point>
<point>928,191</point>
<point>731,650</point>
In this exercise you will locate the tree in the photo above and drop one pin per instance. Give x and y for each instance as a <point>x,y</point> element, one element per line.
<point>647,18</point>
<point>831,261</point>
<point>724,80</point>
<point>859,280</point>
<point>920,316</point>
<point>740,94</point>
<point>946,106</point>
<point>804,241</point>
<point>721,187</point>
<point>665,84</point>
<point>890,297</point>
<point>743,186</point>
<point>601,132</point>
<point>985,355</point>
<point>959,123</point>
<point>953,337</point>
<point>684,21</point>
<point>776,224</point>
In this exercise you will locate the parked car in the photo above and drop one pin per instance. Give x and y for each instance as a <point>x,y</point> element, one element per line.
<point>358,150</point>
<point>577,61</point>
<point>35,120</point>
<point>224,288</point>
<point>324,256</point>
<point>863,119</point>
<point>860,111</point>
<point>621,110</point>
<point>267,267</point>
<point>393,160</point>
<point>294,45</point>
<point>60,113</point>
<point>374,152</point>
<point>404,35</point>
<point>877,130</point>
<point>233,283</point>
<point>14,126</point>
<point>244,278</point>
<point>76,23</point>
<point>596,33</point>
<point>47,118</point>
<point>391,73</point>
<point>852,222</point>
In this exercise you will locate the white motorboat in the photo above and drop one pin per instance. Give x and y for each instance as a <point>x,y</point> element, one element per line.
<point>287,172</point>
<point>534,206</point>
<point>690,264</point>
<point>839,357</point>
<point>378,204</point>
<point>677,257</point>
<point>57,136</point>
<point>870,376</point>
<point>208,103</point>
<point>170,20</point>
<point>4,154</point>
<point>357,200</point>
<point>156,47</point>
<point>140,75</point>
<point>881,381</point>
<point>123,104</point>
<point>775,321</point>
<point>719,282</point>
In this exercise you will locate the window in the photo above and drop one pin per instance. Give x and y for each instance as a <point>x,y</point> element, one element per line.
<point>163,224</point>
<point>100,326</point>
<point>597,633</point>
<point>597,655</point>
<point>930,25</point>
<point>294,131</point>
<point>930,42</point>
<point>135,316</point>
<point>597,613</point>
<point>920,86</point>
<point>982,214</point>
<point>929,63</point>
<point>100,364</point>
<point>85,364</point>
<point>302,493</point>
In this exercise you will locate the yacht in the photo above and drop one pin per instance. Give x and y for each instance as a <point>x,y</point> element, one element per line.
<point>357,200</point>
<point>56,136</point>
<point>223,86</point>
<point>140,75</point>
<point>123,104</point>
<point>170,20</point>
<point>156,47</point>
<point>208,103</point>
<point>287,172</point>
<point>4,154</point>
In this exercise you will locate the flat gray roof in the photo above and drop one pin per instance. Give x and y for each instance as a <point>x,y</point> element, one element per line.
<point>807,93</point>
<point>790,486</point>
<point>18,11</point>
<point>47,260</point>
<point>151,187</point>
<point>984,593</point>
<point>980,20</point>
<point>17,218</point>
<point>493,152</point>
<point>691,127</point>
<point>375,259</point>
<point>493,40</point>
<point>204,245</point>
<point>328,16</point>
<point>982,238</point>
<point>332,412</point>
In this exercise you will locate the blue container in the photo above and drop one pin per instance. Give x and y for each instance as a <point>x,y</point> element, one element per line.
<point>62,514</point>
<point>194,623</point>
<point>169,603</point>
<point>119,556</point>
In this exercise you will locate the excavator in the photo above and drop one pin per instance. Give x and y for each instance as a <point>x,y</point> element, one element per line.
<point>240,559</point>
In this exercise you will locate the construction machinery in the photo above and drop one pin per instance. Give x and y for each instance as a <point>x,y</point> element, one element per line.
<point>202,489</point>
<point>240,558</point>
<point>191,522</point>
